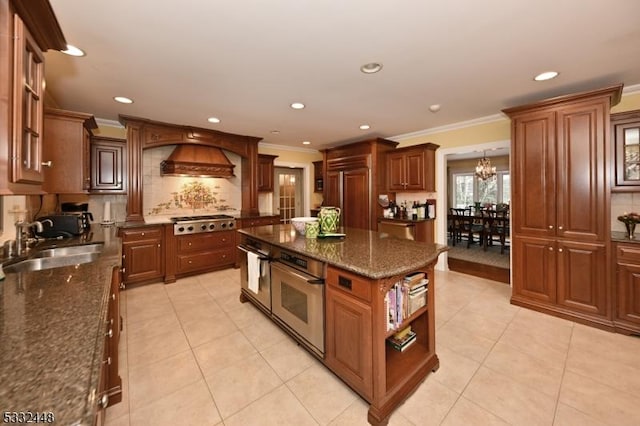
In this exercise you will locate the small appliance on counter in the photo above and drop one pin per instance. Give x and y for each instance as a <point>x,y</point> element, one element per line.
<point>60,225</point>
<point>81,210</point>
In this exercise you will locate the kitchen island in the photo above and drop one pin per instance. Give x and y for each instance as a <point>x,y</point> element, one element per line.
<point>52,336</point>
<point>362,270</point>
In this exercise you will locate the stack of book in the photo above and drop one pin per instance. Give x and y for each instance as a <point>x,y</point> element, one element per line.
<point>402,339</point>
<point>404,298</point>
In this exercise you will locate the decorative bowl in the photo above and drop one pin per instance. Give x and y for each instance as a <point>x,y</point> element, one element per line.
<point>299,222</point>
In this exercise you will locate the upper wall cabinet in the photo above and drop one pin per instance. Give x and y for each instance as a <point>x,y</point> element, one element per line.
<point>412,168</point>
<point>67,148</point>
<point>318,179</point>
<point>265,172</point>
<point>108,165</point>
<point>32,29</point>
<point>625,129</point>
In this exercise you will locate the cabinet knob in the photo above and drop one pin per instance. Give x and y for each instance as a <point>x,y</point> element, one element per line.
<point>107,361</point>
<point>550,248</point>
<point>47,163</point>
<point>122,287</point>
<point>550,226</point>
<point>189,244</point>
<point>110,333</point>
<point>560,250</point>
<point>103,401</point>
<point>159,245</point>
<point>142,233</point>
<point>123,270</point>
<point>560,228</point>
<point>190,262</point>
<point>113,296</point>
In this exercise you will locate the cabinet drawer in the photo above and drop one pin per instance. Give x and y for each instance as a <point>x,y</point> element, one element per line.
<point>205,241</point>
<point>204,260</point>
<point>349,283</point>
<point>141,234</point>
<point>628,252</point>
<point>248,223</point>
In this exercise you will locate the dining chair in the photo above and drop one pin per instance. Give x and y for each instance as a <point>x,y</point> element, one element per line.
<point>459,217</point>
<point>496,224</point>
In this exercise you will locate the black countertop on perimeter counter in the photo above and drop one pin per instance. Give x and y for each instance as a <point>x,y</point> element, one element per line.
<point>621,237</point>
<point>52,332</point>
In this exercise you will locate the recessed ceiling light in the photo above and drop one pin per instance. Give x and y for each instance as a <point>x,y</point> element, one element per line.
<point>306,143</point>
<point>364,127</point>
<point>275,132</point>
<point>73,51</point>
<point>371,68</point>
<point>545,76</point>
<point>123,100</point>
<point>297,105</point>
<point>213,120</point>
<point>434,108</point>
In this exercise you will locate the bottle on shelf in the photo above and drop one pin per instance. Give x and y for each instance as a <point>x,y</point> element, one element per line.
<point>414,211</point>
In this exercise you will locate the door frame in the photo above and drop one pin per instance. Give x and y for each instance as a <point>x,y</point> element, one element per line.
<point>306,177</point>
<point>441,190</point>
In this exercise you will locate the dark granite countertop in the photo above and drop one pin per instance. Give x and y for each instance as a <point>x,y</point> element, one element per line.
<point>52,325</point>
<point>397,219</point>
<point>621,237</point>
<point>368,253</point>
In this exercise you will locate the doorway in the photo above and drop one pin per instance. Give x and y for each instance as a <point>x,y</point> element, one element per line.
<point>288,193</point>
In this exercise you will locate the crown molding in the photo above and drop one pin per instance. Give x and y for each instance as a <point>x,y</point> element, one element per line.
<point>288,148</point>
<point>631,90</point>
<point>449,127</point>
<point>109,123</point>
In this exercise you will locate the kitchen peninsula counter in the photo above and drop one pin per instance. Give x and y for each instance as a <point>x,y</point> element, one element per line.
<point>367,253</point>
<point>363,308</point>
<point>52,333</point>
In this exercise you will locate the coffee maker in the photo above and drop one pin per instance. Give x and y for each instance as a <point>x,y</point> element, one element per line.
<point>80,209</point>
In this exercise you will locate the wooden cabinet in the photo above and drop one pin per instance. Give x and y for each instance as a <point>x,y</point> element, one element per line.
<point>356,335</point>
<point>318,177</point>
<point>625,131</point>
<point>265,172</point>
<point>627,288</point>
<point>560,219</point>
<point>205,251</point>
<point>67,146</point>
<point>348,346</point>
<point>107,165</point>
<point>412,168</point>
<point>355,176</point>
<point>142,254</point>
<point>28,29</point>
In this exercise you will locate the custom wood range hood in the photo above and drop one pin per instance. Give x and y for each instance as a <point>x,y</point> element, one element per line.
<point>197,161</point>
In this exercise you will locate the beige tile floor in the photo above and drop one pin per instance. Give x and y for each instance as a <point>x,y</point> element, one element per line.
<point>192,354</point>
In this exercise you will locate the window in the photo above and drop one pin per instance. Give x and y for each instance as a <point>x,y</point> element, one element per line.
<point>467,189</point>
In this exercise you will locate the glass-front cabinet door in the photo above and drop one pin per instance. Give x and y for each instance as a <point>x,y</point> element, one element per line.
<point>626,136</point>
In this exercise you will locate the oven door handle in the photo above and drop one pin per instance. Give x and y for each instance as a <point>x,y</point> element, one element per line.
<point>247,250</point>
<point>309,279</point>
<point>319,281</point>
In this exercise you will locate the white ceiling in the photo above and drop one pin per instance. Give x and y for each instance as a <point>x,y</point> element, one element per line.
<point>246,61</point>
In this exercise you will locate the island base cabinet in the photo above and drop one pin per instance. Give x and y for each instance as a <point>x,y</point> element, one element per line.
<point>348,340</point>
<point>357,347</point>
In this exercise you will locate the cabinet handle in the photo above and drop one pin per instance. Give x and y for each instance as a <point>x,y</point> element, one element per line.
<point>103,401</point>
<point>47,163</point>
<point>107,361</point>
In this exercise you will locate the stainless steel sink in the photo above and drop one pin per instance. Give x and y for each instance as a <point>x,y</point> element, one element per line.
<point>70,250</point>
<point>40,263</point>
<point>56,258</point>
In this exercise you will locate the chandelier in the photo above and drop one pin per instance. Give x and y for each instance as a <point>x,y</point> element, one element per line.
<point>484,170</point>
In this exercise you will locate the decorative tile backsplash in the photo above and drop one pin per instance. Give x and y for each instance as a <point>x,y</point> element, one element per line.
<point>182,196</point>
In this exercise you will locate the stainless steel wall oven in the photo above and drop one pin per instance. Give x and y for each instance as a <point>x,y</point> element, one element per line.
<point>297,285</point>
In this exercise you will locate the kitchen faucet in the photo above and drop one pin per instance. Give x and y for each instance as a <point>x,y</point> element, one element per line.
<point>20,225</point>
